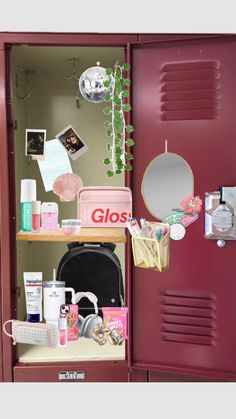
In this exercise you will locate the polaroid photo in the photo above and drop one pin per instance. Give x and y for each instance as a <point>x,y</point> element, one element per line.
<point>72,142</point>
<point>35,143</point>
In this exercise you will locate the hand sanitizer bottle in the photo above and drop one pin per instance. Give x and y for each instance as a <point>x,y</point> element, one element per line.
<point>222,217</point>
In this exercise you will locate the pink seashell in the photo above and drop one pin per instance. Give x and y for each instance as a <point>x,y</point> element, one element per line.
<point>66,186</point>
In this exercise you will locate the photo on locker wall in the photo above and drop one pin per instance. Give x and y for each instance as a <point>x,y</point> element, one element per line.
<point>72,142</point>
<point>35,143</point>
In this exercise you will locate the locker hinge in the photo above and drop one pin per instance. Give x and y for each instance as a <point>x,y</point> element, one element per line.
<point>16,291</point>
<point>12,124</point>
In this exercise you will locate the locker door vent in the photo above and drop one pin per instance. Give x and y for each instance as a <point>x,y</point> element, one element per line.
<point>188,317</point>
<point>190,90</point>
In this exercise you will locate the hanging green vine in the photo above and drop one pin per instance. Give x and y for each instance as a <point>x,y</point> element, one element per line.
<point>116,128</point>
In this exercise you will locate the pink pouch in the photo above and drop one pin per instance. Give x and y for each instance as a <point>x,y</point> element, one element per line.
<point>104,206</point>
<point>116,318</point>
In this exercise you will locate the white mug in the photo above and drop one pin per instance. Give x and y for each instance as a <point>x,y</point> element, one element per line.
<point>53,298</point>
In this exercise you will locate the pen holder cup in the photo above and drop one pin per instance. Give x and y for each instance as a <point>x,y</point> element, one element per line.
<point>150,253</point>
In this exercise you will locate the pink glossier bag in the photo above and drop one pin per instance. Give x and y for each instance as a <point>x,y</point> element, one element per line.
<point>104,206</point>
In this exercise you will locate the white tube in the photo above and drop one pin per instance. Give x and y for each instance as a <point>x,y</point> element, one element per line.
<point>33,295</point>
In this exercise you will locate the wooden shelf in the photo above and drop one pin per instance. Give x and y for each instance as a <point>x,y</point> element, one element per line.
<point>115,235</point>
<point>81,350</point>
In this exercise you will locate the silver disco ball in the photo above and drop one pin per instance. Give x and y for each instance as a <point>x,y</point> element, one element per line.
<point>91,84</point>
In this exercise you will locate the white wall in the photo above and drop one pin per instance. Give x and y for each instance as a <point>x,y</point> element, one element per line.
<point>104,16</point>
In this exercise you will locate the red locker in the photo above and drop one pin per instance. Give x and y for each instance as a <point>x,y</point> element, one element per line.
<point>181,321</point>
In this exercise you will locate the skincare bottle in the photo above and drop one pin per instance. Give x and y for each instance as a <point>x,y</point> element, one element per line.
<point>62,335</point>
<point>49,216</point>
<point>222,217</point>
<point>28,194</point>
<point>36,206</point>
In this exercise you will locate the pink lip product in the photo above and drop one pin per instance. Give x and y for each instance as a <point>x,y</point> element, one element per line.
<point>36,211</point>
<point>62,335</point>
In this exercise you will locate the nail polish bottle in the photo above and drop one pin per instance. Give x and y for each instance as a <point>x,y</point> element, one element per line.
<point>36,207</point>
<point>62,335</point>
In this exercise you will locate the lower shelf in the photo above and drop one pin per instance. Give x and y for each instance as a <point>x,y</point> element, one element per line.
<point>81,350</point>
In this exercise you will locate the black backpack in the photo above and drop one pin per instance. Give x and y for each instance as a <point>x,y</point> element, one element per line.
<point>93,267</point>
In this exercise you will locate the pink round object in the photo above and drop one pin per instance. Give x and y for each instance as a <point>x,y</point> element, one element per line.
<point>66,186</point>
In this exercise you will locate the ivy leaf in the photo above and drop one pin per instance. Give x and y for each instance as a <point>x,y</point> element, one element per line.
<point>117,114</point>
<point>118,87</point>
<point>129,142</point>
<point>108,147</point>
<point>106,161</point>
<point>119,135</point>
<point>126,82</point>
<point>119,171</point>
<point>120,165</point>
<point>129,128</point>
<point>118,73</point>
<point>119,151</point>
<point>109,133</point>
<point>126,67</point>
<point>117,141</point>
<point>125,93</point>
<point>108,71</point>
<point>107,110</point>
<point>118,117</point>
<point>119,161</point>
<point>129,156</point>
<point>110,173</point>
<point>106,123</point>
<point>107,97</point>
<point>106,83</point>
<point>127,107</point>
<point>128,167</point>
<point>117,100</point>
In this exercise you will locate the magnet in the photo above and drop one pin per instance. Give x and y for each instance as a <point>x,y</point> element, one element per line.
<point>189,219</point>
<point>177,231</point>
<point>174,218</point>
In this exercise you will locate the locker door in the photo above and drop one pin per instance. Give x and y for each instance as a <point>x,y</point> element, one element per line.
<point>185,92</point>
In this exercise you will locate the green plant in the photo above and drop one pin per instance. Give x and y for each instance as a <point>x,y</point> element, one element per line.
<point>116,128</point>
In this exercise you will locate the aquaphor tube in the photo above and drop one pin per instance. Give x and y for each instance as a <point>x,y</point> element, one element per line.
<point>33,295</point>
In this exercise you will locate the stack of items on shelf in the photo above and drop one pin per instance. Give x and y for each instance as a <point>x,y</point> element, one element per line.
<point>63,322</point>
<point>97,206</point>
<point>38,217</point>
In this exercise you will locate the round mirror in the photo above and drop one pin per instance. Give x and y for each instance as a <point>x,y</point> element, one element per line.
<point>167,180</point>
